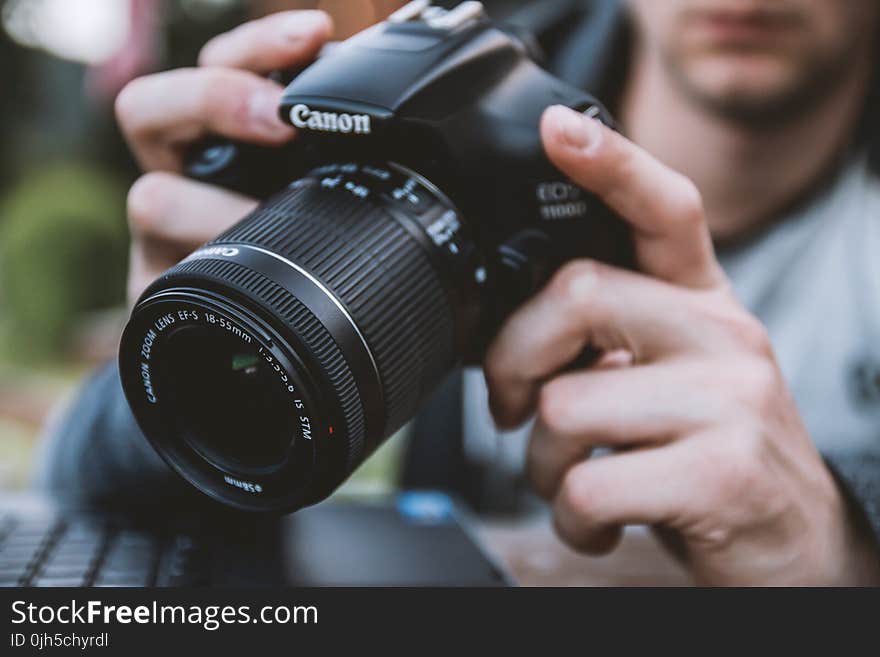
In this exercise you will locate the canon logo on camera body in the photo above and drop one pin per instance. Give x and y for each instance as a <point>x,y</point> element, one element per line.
<point>303,117</point>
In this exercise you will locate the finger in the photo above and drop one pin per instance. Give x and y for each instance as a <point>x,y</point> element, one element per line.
<point>613,408</point>
<point>159,114</point>
<point>147,261</point>
<point>585,304</point>
<point>663,207</point>
<point>276,42</point>
<point>175,215</point>
<point>644,487</point>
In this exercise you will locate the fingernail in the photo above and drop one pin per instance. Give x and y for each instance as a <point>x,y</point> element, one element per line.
<point>263,108</point>
<point>578,131</point>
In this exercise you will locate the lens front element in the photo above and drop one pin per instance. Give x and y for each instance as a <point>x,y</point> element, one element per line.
<point>226,401</point>
<point>225,405</point>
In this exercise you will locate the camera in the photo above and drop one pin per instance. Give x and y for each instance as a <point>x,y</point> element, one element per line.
<point>412,213</point>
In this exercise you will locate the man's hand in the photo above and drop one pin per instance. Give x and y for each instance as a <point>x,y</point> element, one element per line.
<point>708,446</point>
<point>227,95</point>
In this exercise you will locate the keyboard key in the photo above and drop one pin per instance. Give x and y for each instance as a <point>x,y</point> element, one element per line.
<point>72,559</point>
<point>80,545</point>
<point>54,570</point>
<point>132,538</point>
<point>122,579</point>
<point>56,582</point>
<point>18,555</point>
<point>10,577</point>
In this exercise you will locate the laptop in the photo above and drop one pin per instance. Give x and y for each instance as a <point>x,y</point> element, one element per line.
<point>414,539</point>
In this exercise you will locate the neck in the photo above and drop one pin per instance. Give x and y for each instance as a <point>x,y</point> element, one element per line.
<point>747,175</point>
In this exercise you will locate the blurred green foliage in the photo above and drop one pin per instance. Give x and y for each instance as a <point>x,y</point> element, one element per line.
<point>63,245</point>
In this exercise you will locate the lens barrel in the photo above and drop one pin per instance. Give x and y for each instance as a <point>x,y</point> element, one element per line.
<point>269,364</point>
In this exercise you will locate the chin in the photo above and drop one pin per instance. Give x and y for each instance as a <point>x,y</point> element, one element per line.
<point>742,82</point>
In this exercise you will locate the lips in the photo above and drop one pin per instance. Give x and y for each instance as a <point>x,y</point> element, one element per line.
<point>745,25</point>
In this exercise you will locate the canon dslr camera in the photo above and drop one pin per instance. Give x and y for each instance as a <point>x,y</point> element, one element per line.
<point>416,210</point>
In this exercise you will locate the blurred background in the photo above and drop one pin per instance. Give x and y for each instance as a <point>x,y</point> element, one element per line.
<point>64,172</point>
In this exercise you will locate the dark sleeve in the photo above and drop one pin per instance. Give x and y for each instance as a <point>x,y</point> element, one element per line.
<point>96,456</point>
<point>858,473</point>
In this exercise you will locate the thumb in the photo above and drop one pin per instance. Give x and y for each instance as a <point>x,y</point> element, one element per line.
<point>662,206</point>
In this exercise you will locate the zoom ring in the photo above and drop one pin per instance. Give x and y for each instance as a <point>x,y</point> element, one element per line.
<point>377,270</point>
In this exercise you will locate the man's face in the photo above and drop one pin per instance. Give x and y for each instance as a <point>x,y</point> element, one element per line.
<point>757,60</point>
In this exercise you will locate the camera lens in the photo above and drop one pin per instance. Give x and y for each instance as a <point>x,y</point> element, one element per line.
<point>269,364</point>
<point>226,401</point>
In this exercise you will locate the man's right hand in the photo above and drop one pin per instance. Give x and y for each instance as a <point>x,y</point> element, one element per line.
<point>227,95</point>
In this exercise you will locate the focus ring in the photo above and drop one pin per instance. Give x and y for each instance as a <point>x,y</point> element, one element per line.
<point>302,322</point>
<point>377,270</point>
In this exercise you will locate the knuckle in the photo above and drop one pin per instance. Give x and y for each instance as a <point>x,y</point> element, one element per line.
<point>554,407</point>
<point>221,50</point>
<point>146,201</point>
<point>300,29</point>
<point>214,51</point>
<point>571,286</point>
<point>128,102</point>
<point>753,335</point>
<point>576,496</point>
<point>688,206</point>
<point>622,173</point>
<point>498,367</point>
<point>568,533</point>
<point>213,90</point>
<point>210,54</point>
<point>739,463</point>
<point>203,89</point>
<point>575,519</point>
<point>229,93</point>
<point>735,325</point>
<point>247,42</point>
<point>747,454</point>
<point>759,382</point>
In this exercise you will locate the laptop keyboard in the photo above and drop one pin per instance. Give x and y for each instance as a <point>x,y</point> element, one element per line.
<point>79,550</point>
<point>418,542</point>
